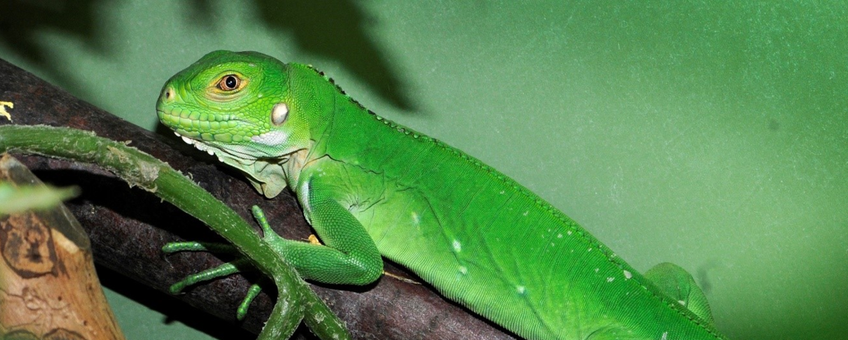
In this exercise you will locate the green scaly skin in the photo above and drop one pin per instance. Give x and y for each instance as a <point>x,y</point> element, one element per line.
<point>370,187</point>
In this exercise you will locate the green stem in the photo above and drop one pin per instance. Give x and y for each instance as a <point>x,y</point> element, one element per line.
<point>294,298</point>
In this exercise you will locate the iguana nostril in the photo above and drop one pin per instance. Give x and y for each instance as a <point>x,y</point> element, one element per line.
<point>168,94</point>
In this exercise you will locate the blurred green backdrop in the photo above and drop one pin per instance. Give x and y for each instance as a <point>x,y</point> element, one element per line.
<point>710,134</point>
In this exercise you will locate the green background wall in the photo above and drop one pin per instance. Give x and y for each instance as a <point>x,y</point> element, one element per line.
<point>710,134</point>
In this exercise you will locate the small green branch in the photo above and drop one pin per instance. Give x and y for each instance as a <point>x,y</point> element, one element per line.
<point>294,299</point>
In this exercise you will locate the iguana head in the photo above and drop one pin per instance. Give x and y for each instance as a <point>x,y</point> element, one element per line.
<point>237,106</point>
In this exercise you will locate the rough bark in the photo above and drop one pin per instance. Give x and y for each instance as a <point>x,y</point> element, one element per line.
<point>48,286</point>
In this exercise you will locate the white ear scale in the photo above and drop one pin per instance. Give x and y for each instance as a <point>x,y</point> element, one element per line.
<point>279,114</point>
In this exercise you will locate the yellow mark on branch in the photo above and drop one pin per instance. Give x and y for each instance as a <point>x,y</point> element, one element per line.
<point>3,109</point>
<point>314,240</point>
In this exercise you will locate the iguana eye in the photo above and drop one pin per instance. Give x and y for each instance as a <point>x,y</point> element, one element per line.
<point>229,82</point>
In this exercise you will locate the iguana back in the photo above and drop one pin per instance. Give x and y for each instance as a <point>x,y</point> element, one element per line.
<point>489,243</point>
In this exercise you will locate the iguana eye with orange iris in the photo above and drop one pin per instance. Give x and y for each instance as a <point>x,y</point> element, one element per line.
<point>229,82</point>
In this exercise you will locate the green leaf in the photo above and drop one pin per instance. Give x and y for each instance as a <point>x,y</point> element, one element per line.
<point>14,199</point>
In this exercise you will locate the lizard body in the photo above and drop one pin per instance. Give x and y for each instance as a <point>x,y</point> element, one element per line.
<point>371,187</point>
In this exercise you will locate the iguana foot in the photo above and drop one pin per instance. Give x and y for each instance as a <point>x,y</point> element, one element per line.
<point>241,264</point>
<point>225,269</point>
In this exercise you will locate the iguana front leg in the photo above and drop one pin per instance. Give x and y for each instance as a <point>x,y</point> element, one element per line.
<point>348,256</point>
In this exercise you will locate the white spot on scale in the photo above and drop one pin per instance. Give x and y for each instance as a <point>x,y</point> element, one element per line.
<point>526,212</point>
<point>681,302</point>
<point>416,219</point>
<point>279,113</point>
<point>520,290</point>
<point>559,235</point>
<point>569,232</point>
<point>664,336</point>
<point>457,247</point>
<point>463,270</point>
<point>597,269</point>
<point>272,138</point>
<point>610,279</point>
<point>627,275</point>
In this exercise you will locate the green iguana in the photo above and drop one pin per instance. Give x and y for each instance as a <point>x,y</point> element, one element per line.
<point>371,187</point>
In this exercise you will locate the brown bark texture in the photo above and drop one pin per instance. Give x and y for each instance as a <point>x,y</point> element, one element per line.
<point>48,285</point>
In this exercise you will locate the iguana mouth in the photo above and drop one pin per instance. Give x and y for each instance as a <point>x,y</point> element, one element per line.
<point>204,127</point>
<point>201,132</point>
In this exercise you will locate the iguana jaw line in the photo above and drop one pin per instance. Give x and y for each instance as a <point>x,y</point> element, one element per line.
<point>217,151</point>
<point>196,143</point>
